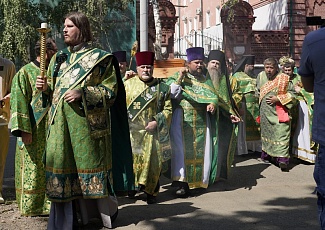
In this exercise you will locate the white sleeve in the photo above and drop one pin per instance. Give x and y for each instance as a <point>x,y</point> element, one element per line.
<point>175,91</point>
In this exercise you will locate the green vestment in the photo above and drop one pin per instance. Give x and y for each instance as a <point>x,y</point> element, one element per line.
<point>190,126</point>
<point>79,144</point>
<point>300,150</point>
<point>244,88</point>
<point>148,102</point>
<point>28,115</point>
<point>275,130</point>
<point>227,131</point>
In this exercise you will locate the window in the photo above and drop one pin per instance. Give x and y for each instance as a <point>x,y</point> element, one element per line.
<point>195,23</point>
<point>218,21</point>
<point>207,19</point>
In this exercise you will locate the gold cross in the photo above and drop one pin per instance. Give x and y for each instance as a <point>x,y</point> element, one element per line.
<point>136,105</point>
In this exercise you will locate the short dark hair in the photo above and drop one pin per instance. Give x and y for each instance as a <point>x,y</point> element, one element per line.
<point>271,61</point>
<point>81,21</point>
<point>50,44</point>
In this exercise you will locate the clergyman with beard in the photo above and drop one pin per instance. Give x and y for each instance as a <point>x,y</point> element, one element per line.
<point>150,112</point>
<point>244,87</point>
<point>227,138</point>
<point>194,101</point>
<point>87,121</point>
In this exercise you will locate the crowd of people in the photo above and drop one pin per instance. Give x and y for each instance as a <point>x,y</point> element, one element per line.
<point>92,129</point>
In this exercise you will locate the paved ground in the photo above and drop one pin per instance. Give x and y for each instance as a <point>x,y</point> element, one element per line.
<point>256,196</point>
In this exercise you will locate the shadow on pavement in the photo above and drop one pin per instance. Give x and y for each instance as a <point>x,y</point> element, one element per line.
<point>280,213</point>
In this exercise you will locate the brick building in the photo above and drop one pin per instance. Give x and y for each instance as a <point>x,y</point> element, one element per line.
<point>262,27</point>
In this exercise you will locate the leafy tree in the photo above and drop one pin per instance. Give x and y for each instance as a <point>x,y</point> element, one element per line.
<point>20,18</point>
<point>231,12</point>
<point>18,29</point>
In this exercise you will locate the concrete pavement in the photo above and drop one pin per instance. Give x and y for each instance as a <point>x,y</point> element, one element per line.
<point>256,196</point>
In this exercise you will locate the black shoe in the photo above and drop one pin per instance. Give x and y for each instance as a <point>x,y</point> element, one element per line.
<point>113,218</point>
<point>283,166</point>
<point>142,188</point>
<point>151,199</point>
<point>120,193</point>
<point>131,193</point>
<point>182,191</point>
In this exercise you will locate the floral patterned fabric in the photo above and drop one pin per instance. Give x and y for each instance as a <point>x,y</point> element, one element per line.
<point>79,148</point>
<point>275,135</point>
<point>28,115</point>
<point>148,149</point>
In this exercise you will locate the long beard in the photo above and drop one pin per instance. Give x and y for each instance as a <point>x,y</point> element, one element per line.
<point>215,76</point>
<point>250,73</point>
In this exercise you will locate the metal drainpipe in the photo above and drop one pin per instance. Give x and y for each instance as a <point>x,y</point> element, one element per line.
<point>202,23</point>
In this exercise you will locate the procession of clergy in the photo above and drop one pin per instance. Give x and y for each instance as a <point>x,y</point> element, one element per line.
<point>187,127</point>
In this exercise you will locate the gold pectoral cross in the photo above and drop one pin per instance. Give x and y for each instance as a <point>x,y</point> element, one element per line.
<point>136,105</point>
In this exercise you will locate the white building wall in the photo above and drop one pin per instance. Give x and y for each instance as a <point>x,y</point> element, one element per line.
<point>273,16</point>
<point>204,15</point>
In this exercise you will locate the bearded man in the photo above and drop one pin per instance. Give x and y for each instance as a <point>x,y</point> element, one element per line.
<point>194,100</point>
<point>244,87</point>
<point>150,111</point>
<point>226,128</point>
<point>87,124</point>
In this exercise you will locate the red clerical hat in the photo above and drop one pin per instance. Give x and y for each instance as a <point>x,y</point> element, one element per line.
<point>145,58</point>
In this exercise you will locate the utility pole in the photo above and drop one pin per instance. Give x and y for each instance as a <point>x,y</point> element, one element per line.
<point>202,23</point>
<point>143,25</point>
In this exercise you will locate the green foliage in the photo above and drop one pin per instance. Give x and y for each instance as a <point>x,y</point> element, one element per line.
<point>18,29</point>
<point>231,12</point>
<point>20,18</point>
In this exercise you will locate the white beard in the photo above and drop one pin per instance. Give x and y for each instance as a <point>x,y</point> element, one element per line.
<point>145,77</point>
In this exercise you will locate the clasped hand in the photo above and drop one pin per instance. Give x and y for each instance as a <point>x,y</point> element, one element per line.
<point>41,83</point>
<point>70,96</point>
<point>211,108</point>
<point>27,138</point>
<point>151,126</point>
<point>271,100</point>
